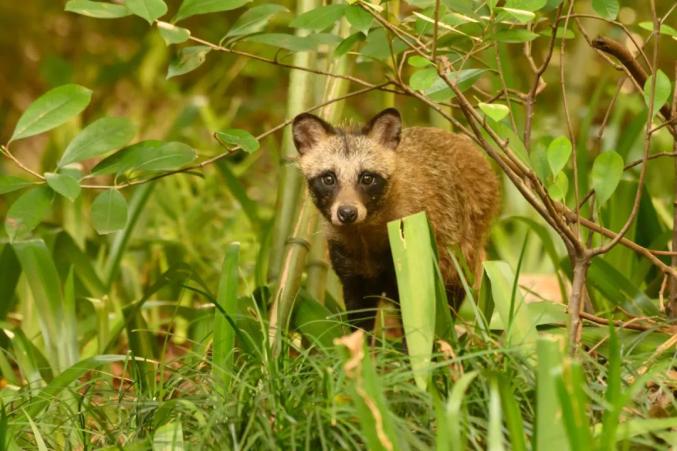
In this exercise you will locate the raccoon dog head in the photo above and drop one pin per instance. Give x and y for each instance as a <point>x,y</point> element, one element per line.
<point>348,172</point>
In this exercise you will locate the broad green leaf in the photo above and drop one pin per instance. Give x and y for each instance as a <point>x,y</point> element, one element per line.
<point>377,46</point>
<point>348,43</point>
<point>559,187</point>
<point>418,61</point>
<point>147,156</point>
<point>561,33</point>
<point>63,184</point>
<point>27,211</point>
<point>527,5</point>
<point>423,79</point>
<point>662,91</point>
<point>606,173</point>
<point>99,10</point>
<point>548,434</point>
<point>254,19</point>
<point>169,437</point>
<point>539,161</point>
<point>359,18</point>
<point>316,322</point>
<point>173,34</point>
<point>9,183</point>
<point>194,7</point>
<point>99,137</point>
<point>411,245</point>
<point>515,36</point>
<point>241,138</point>
<point>559,152</point>
<point>109,212</point>
<point>52,109</point>
<point>284,41</point>
<point>147,9</point>
<point>511,15</point>
<point>189,59</point>
<point>606,8</point>
<point>495,426</point>
<point>496,111</point>
<point>664,28</point>
<point>319,18</point>
<point>464,78</point>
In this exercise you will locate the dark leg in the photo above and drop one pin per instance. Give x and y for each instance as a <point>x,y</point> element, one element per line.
<point>455,296</point>
<point>361,297</point>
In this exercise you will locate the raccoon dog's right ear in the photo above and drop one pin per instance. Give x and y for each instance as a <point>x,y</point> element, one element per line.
<point>308,130</point>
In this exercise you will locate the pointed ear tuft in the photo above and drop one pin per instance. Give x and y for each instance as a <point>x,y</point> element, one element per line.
<point>308,130</point>
<point>385,128</point>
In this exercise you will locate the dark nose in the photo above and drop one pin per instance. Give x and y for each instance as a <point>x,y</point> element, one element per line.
<point>347,214</point>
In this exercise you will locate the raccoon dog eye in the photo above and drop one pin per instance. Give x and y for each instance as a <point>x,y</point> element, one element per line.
<point>328,179</point>
<point>367,179</point>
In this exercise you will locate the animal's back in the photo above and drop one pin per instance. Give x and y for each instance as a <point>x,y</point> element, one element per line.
<point>448,176</point>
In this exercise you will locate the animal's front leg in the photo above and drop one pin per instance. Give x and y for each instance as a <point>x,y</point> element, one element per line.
<point>361,298</point>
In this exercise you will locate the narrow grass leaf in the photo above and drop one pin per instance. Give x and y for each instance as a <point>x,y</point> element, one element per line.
<point>63,184</point>
<point>414,259</point>
<point>27,211</point>
<point>109,212</point>
<point>549,430</point>
<point>456,417</point>
<point>570,382</point>
<point>9,277</point>
<point>98,10</point>
<point>512,413</point>
<point>37,435</point>
<point>147,9</point>
<point>98,138</point>
<point>495,435</point>
<point>52,109</point>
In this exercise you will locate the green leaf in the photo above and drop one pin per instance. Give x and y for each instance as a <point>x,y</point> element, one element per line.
<point>168,437</point>
<point>548,434</point>
<point>241,138</point>
<point>172,34</point>
<point>559,152</point>
<point>377,46</point>
<point>464,78</point>
<point>561,33</point>
<point>99,137</point>
<point>98,10</point>
<point>414,259</point>
<point>63,184</point>
<point>194,7</point>
<point>147,156</point>
<point>539,161</point>
<point>284,41</point>
<point>147,9</point>
<point>348,43</point>
<point>496,111</point>
<point>190,58</point>
<point>358,18</point>
<point>109,212</point>
<point>319,18</point>
<point>254,19</point>
<point>606,8</point>
<point>517,35</point>
<point>528,5</point>
<point>662,91</point>
<point>664,28</point>
<point>511,15</point>
<point>606,173</point>
<point>423,79</point>
<point>27,211</point>
<point>52,109</point>
<point>559,187</point>
<point>418,61</point>
<point>9,183</point>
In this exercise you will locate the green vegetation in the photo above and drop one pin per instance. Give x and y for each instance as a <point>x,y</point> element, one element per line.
<point>164,281</point>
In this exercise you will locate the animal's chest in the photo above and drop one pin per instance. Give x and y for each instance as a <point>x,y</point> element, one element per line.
<point>360,254</point>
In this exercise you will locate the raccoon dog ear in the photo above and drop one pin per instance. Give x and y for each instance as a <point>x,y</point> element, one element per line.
<point>308,130</point>
<point>385,127</point>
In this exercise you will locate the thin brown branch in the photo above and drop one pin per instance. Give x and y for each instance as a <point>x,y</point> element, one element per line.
<point>10,155</point>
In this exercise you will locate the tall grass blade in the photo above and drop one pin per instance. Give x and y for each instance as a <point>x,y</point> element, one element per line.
<point>495,435</point>
<point>169,437</point>
<point>455,413</point>
<point>413,256</point>
<point>570,382</point>
<point>9,277</point>
<point>549,430</point>
<point>512,413</point>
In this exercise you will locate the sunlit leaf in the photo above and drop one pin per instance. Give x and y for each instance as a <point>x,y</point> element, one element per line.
<point>662,91</point>
<point>147,9</point>
<point>606,8</point>
<point>238,137</point>
<point>27,211</point>
<point>664,28</point>
<point>98,138</point>
<point>418,61</point>
<point>254,19</point>
<point>194,7</point>
<point>99,10</point>
<point>527,5</point>
<point>559,187</point>
<point>358,18</point>
<point>319,18</point>
<point>606,173</point>
<point>513,14</point>
<point>190,58</point>
<point>109,212</point>
<point>9,183</point>
<point>423,79</point>
<point>63,184</point>
<point>559,152</point>
<point>147,156</point>
<point>496,111</point>
<point>173,34</point>
<point>52,109</point>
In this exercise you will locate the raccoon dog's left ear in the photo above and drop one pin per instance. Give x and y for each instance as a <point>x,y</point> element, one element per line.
<point>308,130</point>
<point>385,127</point>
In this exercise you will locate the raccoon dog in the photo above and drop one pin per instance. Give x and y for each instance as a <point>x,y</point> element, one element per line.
<point>361,179</point>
